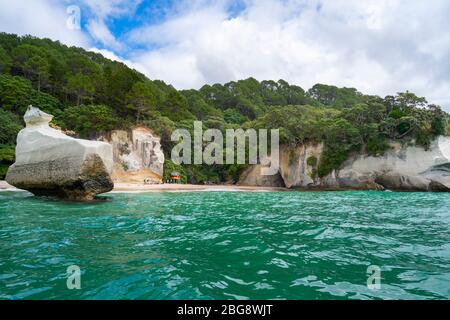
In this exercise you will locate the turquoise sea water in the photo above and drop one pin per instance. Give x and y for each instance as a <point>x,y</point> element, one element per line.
<point>227,245</point>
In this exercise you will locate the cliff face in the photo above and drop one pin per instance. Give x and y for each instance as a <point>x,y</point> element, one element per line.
<point>294,167</point>
<point>138,157</point>
<point>405,168</point>
<point>410,168</point>
<point>252,177</point>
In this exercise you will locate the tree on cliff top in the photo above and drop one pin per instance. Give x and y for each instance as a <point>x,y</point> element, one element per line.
<point>141,99</point>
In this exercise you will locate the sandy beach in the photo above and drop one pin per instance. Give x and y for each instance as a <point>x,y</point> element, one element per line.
<point>129,187</point>
<point>122,187</point>
<point>5,186</point>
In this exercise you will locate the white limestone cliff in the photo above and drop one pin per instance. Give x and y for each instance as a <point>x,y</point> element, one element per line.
<point>138,157</point>
<point>409,168</point>
<point>404,168</point>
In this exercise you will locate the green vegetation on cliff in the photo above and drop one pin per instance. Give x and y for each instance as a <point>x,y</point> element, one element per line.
<point>90,94</point>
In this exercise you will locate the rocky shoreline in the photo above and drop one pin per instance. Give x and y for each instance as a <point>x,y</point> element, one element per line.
<point>401,168</point>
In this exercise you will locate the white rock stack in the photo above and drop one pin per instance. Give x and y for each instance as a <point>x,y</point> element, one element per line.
<point>50,163</point>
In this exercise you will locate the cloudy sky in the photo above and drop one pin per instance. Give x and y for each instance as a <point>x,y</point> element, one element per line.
<point>378,46</point>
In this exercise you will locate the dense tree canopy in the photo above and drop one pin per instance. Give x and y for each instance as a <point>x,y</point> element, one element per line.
<point>90,94</point>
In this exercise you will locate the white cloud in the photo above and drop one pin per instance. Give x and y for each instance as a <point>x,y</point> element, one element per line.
<point>379,47</point>
<point>112,8</point>
<point>103,10</point>
<point>45,19</point>
<point>100,32</point>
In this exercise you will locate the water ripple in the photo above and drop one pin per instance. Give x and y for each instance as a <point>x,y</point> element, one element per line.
<point>221,245</point>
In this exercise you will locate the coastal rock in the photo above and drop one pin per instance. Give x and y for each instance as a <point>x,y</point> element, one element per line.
<point>401,168</point>
<point>404,168</point>
<point>137,154</point>
<point>294,167</point>
<point>395,181</point>
<point>435,186</point>
<point>50,163</point>
<point>252,177</point>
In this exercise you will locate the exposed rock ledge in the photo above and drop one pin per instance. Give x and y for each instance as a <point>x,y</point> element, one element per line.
<point>50,163</point>
<point>402,168</point>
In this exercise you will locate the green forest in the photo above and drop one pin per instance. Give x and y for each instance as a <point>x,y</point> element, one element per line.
<point>89,95</point>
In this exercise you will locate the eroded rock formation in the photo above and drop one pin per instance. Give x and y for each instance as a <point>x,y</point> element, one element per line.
<point>252,177</point>
<point>50,163</point>
<point>403,168</point>
<point>138,157</point>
